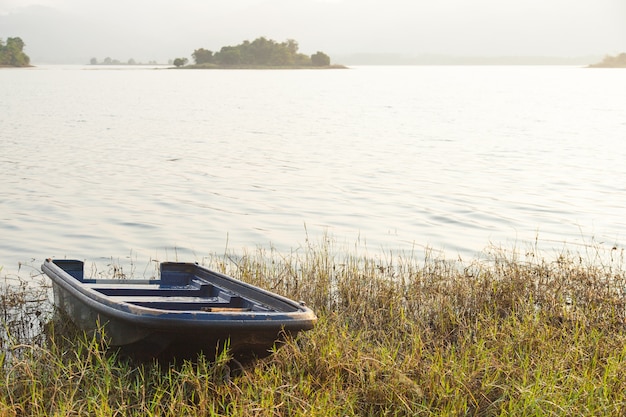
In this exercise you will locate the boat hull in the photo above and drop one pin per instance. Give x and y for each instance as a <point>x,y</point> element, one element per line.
<point>187,310</point>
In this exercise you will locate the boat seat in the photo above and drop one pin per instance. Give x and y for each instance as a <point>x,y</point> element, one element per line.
<point>205,290</point>
<point>234,303</point>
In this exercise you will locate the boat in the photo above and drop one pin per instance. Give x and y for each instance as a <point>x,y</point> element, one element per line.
<point>188,309</point>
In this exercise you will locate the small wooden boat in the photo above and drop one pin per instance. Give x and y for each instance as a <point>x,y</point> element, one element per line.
<point>188,309</point>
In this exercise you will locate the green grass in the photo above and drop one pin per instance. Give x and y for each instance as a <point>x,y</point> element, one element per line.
<point>399,335</point>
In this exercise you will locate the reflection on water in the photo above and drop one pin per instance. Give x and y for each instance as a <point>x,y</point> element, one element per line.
<point>165,164</point>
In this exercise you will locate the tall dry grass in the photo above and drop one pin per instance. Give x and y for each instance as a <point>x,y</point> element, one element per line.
<point>398,334</point>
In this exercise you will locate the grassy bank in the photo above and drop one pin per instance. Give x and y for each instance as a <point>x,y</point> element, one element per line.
<point>397,335</point>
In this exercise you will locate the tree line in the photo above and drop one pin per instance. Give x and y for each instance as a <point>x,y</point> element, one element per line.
<point>111,61</point>
<point>12,53</point>
<point>260,52</point>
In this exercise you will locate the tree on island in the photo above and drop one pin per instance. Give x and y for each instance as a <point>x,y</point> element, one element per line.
<point>320,59</point>
<point>179,62</point>
<point>11,53</point>
<point>261,52</point>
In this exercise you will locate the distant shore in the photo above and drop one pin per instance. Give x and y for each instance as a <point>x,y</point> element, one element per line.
<point>16,66</point>
<point>449,60</point>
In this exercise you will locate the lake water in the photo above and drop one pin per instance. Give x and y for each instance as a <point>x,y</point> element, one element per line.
<point>150,163</point>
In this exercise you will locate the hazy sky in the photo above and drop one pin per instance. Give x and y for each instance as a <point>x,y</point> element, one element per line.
<point>73,31</point>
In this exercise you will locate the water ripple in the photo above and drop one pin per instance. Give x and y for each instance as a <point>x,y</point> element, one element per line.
<point>180,164</point>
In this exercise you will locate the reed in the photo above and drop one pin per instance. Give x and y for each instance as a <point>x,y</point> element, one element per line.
<point>398,334</point>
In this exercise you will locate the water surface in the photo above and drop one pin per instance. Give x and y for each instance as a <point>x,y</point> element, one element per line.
<point>164,164</point>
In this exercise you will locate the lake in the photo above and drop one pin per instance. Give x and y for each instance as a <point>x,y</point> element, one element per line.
<point>102,163</point>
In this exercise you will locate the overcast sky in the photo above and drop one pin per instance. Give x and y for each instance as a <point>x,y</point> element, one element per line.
<point>73,31</point>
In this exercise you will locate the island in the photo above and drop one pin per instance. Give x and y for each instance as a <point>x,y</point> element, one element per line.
<point>261,53</point>
<point>618,61</point>
<point>12,53</point>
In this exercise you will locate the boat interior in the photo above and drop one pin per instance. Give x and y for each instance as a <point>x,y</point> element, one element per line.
<point>183,287</point>
<point>197,295</point>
